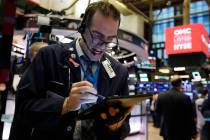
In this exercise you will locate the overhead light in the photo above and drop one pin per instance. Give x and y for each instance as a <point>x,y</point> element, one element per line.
<point>179,68</point>
<point>161,77</point>
<point>63,39</point>
<point>164,70</point>
<point>203,79</point>
<point>174,76</point>
<point>132,75</point>
<point>125,61</point>
<point>43,20</point>
<point>184,76</point>
<point>195,80</point>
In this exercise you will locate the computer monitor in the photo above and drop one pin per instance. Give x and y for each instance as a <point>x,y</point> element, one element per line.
<point>143,77</point>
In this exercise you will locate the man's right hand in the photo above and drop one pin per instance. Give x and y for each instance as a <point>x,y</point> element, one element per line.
<point>76,98</point>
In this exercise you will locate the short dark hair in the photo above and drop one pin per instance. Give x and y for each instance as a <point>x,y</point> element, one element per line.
<point>106,9</point>
<point>205,92</point>
<point>176,82</point>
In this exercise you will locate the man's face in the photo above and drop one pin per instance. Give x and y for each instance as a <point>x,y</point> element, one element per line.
<point>102,31</point>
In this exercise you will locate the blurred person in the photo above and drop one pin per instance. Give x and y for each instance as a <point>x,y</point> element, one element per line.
<point>54,88</point>
<point>177,114</point>
<point>34,48</point>
<point>205,133</point>
<point>198,105</point>
<point>152,110</point>
<point>16,73</point>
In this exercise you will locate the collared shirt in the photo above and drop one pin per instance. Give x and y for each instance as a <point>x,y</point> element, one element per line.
<point>82,61</point>
<point>82,127</point>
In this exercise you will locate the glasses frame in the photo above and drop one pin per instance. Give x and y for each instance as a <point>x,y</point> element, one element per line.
<point>101,41</point>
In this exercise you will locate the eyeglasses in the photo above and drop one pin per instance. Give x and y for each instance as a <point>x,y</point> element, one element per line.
<point>97,39</point>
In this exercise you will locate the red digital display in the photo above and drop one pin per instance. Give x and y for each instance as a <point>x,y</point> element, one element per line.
<point>187,39</point>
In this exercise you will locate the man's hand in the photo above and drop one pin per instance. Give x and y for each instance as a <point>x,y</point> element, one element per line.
<point>195,137</point>
<point>113,112</point>
<point>77,96</point>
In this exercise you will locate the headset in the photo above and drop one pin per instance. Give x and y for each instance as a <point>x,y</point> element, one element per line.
<point>82,26</point>
<point>87,14</point>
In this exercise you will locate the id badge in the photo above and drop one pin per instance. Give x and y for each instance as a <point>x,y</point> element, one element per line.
<point>108,69</point>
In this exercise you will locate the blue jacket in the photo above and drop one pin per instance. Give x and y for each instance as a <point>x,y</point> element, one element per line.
<point>41,93</point>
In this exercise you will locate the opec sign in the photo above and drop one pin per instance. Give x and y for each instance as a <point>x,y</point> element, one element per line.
<point>187,39</point>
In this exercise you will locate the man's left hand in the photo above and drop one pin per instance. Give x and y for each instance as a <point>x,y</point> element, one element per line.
<point>113,112</point>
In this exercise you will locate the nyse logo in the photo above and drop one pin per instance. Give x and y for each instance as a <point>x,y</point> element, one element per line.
<point>182,39</point>
<point>183,46</point>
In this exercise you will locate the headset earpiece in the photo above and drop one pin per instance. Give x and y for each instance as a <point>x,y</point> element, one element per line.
<point>81,28</point>
<point>83,24</point>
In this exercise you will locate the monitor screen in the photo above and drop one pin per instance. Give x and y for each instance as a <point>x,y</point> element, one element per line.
<point>143,77</point>
<point>196,75</point>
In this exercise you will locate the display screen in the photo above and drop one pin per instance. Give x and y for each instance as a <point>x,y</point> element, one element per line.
<point>153,86</point>
<point>196,75</point>
<point>143,77</point>
<point>187,39</point>
<point>149,64</point>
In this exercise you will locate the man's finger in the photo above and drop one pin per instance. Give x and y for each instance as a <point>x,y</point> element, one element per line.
<point>128,111</point>
<point>82,83</point>
<point>113,111</point>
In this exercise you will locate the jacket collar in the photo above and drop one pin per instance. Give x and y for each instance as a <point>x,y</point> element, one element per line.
<point>103,78</point>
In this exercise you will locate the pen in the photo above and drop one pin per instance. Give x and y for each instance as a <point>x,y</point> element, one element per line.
<point>97,95</point>
<point>93,91</point>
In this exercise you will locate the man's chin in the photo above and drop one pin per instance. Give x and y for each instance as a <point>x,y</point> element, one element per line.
<point>96,57</point>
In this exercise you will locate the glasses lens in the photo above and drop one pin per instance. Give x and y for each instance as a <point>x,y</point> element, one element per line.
<point>98,40</point>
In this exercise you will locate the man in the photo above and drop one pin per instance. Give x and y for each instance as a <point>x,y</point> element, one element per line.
<point>198,105</point>
<point>55,86</point>
<point>34,49</point>
<point>206,114</point>
<point>176,113</point>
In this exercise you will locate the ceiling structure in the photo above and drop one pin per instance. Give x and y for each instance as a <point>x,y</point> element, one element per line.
<point>144,7</point>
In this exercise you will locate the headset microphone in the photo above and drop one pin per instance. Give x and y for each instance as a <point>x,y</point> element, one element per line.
<point>93,52</point>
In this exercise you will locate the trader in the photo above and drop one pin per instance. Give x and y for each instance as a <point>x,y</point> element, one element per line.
<point>55,86</point>
<point>177,113</point>
<point>206,114</point>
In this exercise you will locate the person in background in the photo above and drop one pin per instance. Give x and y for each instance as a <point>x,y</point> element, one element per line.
<point>205,135</point>
<point>34,48</point>
<point>176,113</point>
<point>58,82</point>
<point>152,109</point>
<point>198,105</point>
